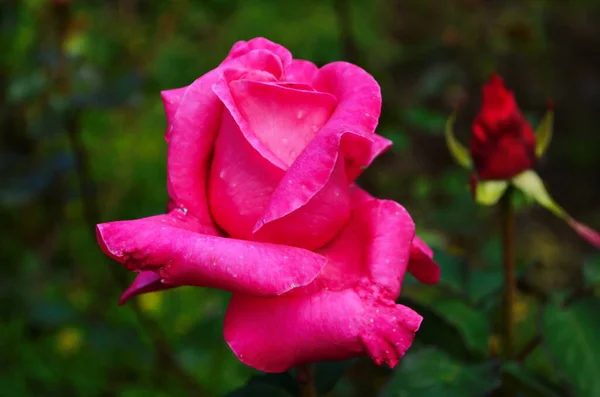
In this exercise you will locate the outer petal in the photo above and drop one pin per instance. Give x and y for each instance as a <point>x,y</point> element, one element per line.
<point>168,245</point>
<point>145,281</point>
<point>421,264</point>
<point>372,249</point>
<point>276,334</point>
<point>171,101</point>
<point>190,134</point>
<point>300,71</point>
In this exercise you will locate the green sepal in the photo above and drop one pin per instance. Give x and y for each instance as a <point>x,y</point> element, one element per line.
<point>459,152</point>
<point>489,192</point>
<point>543,134</point>
<point>532,185</point>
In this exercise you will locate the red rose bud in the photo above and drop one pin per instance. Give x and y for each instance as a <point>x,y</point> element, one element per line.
<point>503,142</point>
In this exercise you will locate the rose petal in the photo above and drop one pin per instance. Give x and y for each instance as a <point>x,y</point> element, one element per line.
<point>171,101</point>
<point>421,264</point>
<point>316,222</point>
<point>145,282</point>
<point>222,89</point>
<point>359,196</point>
<point>284,119</point>
<point>358,110</point>
<point>300,71</point>
<point>259,43</point>
<point>191,133</point>
<point>274,335</point>
<point>374,245</point>
<point>165,244</point>
<point>241,181</point>
<point>314,191</point>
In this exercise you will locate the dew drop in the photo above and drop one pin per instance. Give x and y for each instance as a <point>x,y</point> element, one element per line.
<point>300,114</point>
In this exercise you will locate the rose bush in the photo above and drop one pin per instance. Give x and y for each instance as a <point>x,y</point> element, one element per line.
<point>263,152</point>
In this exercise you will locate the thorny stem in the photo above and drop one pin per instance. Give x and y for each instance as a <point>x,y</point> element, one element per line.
<point>507,220</point>
<point>306,382</point>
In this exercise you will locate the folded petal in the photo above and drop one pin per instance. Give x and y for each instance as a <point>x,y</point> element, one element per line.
<point>373,248</point>
<point>300,71</point>
<point>311,203</point>
<point>274,335</point>
<point>421,264</point>
<point>284,119</point>
<point>145,282</point>
<point>180,256</point>
<point>259,43</point>
<point>358,110</point>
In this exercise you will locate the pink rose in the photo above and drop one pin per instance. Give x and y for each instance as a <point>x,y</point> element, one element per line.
<point>263,154</point>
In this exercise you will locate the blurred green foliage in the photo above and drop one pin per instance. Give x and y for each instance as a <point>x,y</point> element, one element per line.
<point>81,121</point>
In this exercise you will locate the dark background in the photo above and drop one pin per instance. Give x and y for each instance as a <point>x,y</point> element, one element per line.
<point>82,142</point>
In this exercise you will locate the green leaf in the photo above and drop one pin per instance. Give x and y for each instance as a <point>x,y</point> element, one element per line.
<point>259,390</point>
<point>327,374</point>
<point>432,373</point>
<point>543,135</point>
<point>457,150</point>
<point>456,315</point>
<point>424,119</point>
<point>454,271</point>
<point>489,192</point>
<point>571,336</point>
<point>484,282</point>
<point>591,271</point>
<point>526,382</point>
<point>276,385</point>
<point>472,324</point>
<point>532,185</point>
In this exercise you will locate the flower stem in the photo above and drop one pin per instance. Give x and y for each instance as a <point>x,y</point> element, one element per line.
<point>507,220</point>
<point>306,383</point>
